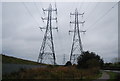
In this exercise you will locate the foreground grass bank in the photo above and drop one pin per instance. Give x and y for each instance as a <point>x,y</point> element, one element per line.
<point>14,60</point>
<point>59,72</point>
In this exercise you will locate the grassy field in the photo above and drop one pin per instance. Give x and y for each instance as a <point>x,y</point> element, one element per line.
<point>58,72</point>
<point>14,60</point>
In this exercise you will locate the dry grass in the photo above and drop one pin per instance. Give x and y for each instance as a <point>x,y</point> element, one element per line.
<point>54,73</point>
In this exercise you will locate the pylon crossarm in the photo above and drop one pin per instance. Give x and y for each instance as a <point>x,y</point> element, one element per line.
<point>44,18</point>
<point>81,22</point>
<point>73,22</point>
<point>81,14</point>
<point>76,13</point>
<point>81,31</point>
<point>45,28</point>
<point>49,9</point>
<point>72,13</point>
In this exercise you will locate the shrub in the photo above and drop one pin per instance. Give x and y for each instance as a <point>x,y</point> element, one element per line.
<point>89,60</point>
<point>68,63</point>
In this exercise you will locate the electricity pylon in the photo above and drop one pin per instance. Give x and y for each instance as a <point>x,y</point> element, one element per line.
<point>64,59</point>
<point>77,48</point>
<point>47,51</point>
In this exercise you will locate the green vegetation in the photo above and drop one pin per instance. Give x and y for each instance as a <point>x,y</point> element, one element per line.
<point>98,75</point>
<point>68,63</point>
<point>89,60</point>
<point>88,68</point>
<point>60,72</point>
<point>14,60</point>
<point>112,66</point>
<point>113,76</point>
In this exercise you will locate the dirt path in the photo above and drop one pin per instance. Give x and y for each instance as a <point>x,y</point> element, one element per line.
<point>104,77</point>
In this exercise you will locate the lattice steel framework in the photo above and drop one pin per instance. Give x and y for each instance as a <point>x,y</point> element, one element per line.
<point>47,51</point>
<point>77,48</point>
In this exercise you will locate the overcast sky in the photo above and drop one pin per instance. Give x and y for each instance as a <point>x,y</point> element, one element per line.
<point>21,36</point>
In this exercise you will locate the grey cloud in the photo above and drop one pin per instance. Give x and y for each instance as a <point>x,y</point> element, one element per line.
<point>22,37</point>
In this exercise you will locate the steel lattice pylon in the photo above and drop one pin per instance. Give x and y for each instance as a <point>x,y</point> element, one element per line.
<point>77,44</point>
<point>47,51</point>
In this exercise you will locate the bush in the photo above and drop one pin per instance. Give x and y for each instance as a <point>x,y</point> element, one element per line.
<point>89,60</point>
<point>68,63</point>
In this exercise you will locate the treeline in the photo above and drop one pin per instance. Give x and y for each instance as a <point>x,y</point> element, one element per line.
<point>111,66</point>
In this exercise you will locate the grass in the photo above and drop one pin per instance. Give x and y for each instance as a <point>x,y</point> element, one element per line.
<point>98,75</point>
<point>14,60</point>
<point>50,72</point>
<point>114,76</point>
<point>59,72</point>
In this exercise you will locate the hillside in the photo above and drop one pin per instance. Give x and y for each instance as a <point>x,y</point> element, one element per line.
<point>14,60</point>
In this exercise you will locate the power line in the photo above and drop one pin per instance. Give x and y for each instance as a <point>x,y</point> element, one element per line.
<point>30,12</point>
<point>91,11</point>
<point>37,7</point>
<point>86,7</point>
<point>102,16</point>
<point>80,5</point>
<point>64,59</point>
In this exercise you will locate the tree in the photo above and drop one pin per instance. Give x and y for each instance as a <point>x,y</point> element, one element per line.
<point>68,63</point>
<point>89,60</point>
